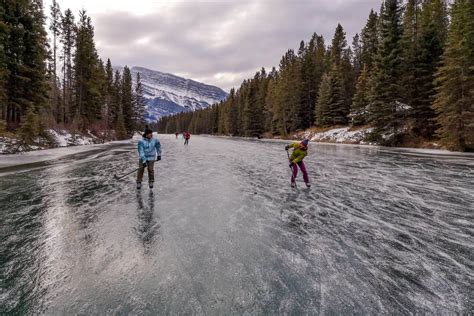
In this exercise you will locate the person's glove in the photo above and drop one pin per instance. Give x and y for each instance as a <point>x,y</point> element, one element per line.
<point>145,164</point>
<point>291,163</point>
<point>158,158</point>
<point>287,147</point>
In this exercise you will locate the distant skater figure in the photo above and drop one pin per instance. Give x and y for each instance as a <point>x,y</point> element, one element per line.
<point>300,151</point>
<point>149,151</point>
<point>187,136</point>
<point>176,135</point>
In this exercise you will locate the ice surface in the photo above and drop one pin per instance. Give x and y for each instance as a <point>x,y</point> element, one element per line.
<point>381,232</point>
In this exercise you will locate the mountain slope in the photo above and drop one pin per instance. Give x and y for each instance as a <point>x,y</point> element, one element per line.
<point>168,94</point>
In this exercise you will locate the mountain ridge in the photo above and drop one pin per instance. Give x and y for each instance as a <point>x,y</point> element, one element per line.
<point>168,94</point>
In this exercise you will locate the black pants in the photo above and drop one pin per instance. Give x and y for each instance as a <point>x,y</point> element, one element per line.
<point>186,141</point>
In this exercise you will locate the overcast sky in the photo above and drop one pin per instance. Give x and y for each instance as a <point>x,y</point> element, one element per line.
<point>219,42</point>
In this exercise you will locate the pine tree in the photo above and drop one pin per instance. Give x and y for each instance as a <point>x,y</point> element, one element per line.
<point>25,53</point>
<point>349,78</point>
<point>320,66</point>
<point>87,75</point>
<point>233,118</point>
<point>387,90</point>
<point>322,110</point>
<point>338,46</point>
<point>307,82</point>
<point>357,55</point>
<point>139,104</point>
<point>116,98</point>
<point>3,126</point>
<point>67,39</point>
<point>36,55</point>
<point>3,66</point>
<point>29,130</point>
<point>361,100</point>
<point>454,102</point>
<point>55,28</point>
<point>120,128</point>
<point>410,54</point>
<point>369,41</point>
<point>341,79</point>
<point>126,94</point>
<point>433,26</point>
<point>337,104</point>
<point>253,108</point>
<point>109,95</point>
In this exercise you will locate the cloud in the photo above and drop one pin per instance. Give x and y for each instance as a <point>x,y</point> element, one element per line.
<point>218,42</point>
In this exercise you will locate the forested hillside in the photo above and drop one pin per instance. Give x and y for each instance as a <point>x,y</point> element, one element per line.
<point>409,74</point>
<point>62,84</point>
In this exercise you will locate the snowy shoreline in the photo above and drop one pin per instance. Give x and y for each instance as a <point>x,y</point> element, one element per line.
<point>59,138</point>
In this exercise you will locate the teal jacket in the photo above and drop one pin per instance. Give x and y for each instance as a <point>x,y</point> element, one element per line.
<point>148,149</point>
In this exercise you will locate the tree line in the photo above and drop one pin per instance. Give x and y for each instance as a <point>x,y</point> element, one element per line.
<point>409,74</point>
<point>62,82</point>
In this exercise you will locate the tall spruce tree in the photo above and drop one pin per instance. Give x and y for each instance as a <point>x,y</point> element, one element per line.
<point>369,41</point>
<point>411,77</point>
<point>25,54</point>
<point>3,67</point>
<point>357,55</point>
<point>387,90</point>
<point>360,104</point>
<point>253,108</point>
<point>87,75</point>
<point>322,110</point>
<point>126,94</point>
<point>432,37</point>
<point>67,39</point>
<point>341,77</point>
<point>116,106</point>
<point>233,114</point>
<point>55,28</point>
<point>139,103</point>
<point>110,107</point>
<point>454,102</point>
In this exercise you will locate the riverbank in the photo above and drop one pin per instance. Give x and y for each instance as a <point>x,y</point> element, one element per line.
<point>10,144</point>
<point>358,136</point>
<point>355,136</point>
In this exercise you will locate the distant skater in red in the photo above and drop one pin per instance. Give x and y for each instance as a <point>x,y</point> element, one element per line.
<point>187,136</point>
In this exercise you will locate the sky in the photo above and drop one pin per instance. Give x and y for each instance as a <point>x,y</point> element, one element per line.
<point>218,42</point>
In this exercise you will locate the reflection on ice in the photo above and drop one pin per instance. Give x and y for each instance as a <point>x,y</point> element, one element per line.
<point>380,232</point>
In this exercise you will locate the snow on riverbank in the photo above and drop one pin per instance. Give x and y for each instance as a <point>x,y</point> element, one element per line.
<point>343,135</point>
<point>58,138</point>
<point>66,139</point>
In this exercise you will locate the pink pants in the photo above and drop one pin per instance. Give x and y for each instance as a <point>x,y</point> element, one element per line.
<point>295,172</point>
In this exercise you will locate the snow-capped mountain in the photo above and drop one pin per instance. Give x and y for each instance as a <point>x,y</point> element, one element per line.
<point>168,94</point>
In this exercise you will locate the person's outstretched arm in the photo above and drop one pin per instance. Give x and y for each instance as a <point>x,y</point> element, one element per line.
<point>158,148</point>
<point>141,151</point>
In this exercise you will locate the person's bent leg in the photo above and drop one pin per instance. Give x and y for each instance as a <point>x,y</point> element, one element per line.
<point>140,172</point>
<point>294,174</point>
<point>303,170</point>
<point>151,172</point>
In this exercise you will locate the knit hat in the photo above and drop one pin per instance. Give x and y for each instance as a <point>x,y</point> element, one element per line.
<point>147,132</point>
<point>305,142</point>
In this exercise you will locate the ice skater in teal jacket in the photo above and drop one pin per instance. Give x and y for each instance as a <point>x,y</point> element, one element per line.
<point>149,151</point>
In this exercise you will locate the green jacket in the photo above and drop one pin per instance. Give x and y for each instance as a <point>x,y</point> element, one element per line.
<point>299,152</point>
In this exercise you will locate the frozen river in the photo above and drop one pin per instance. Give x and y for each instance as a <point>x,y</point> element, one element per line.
<point>380,232</point>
